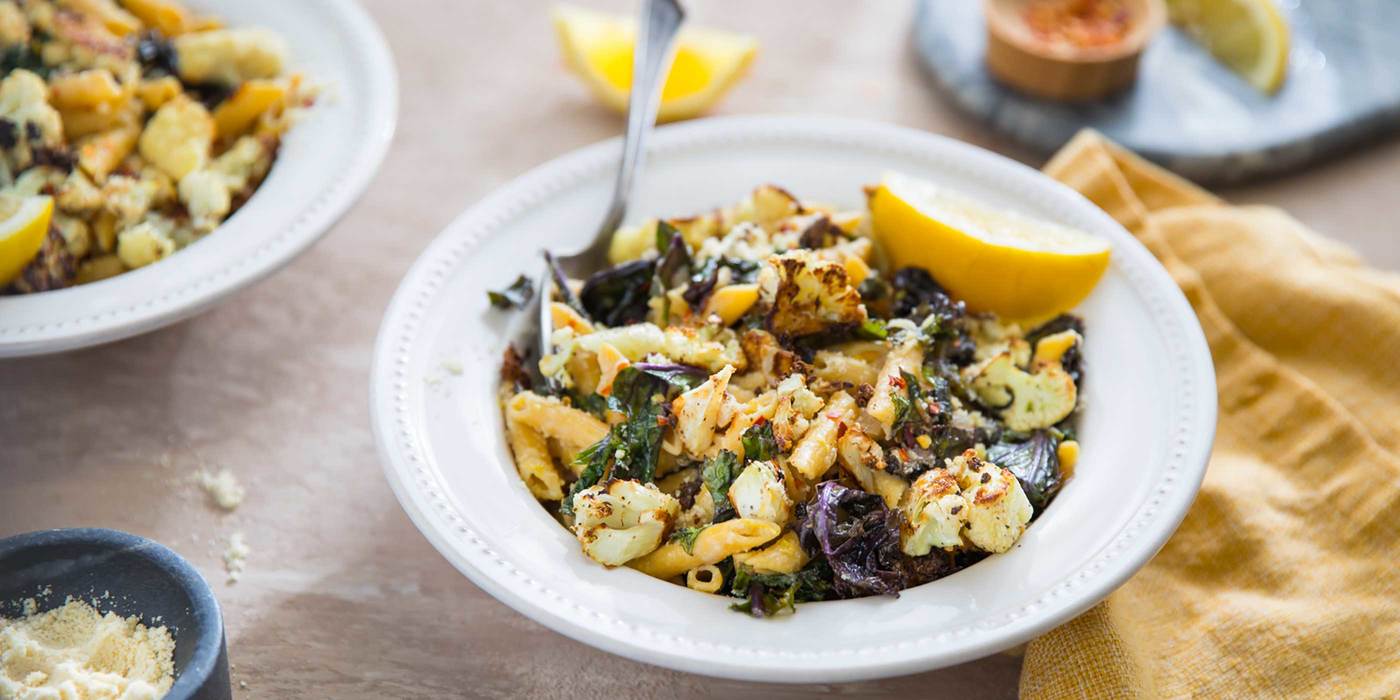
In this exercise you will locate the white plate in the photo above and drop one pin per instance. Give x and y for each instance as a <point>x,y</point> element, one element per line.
<point>325,162</point>
<point>1149,416</point>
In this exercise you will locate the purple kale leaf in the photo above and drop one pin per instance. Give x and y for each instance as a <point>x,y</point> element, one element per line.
<point>859,538</point>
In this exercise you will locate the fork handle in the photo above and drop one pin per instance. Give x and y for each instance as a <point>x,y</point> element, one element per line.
<point>656,40</point>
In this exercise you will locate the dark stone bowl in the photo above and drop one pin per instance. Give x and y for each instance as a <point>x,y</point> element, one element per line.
<point>128,575</point>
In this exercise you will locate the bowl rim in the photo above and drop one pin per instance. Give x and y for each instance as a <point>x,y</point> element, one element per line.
<point>209,642</point>
<point>433,511</point>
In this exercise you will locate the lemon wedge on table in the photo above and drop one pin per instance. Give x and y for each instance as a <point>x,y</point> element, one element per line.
<point>1249,36</point>
<point>24,222</point>
<point>599,47</point>
<point>1018,267</point>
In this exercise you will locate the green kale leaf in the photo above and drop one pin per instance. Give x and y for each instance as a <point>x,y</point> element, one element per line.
<point>516,296</point>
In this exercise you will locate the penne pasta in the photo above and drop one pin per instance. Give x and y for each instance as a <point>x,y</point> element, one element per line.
<point>533,461</point>
<point>906,357</point>
<point>714,544</point>
<point>573,428</point>
<point>816,451</point>
<point>706,579</point>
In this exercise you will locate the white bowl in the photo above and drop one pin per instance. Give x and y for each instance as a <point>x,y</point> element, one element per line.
<point>1148,419</point>
<point>325,162</point>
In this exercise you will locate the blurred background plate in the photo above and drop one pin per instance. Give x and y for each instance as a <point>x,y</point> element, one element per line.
<point>326,160</point>
<point>1187,111</point>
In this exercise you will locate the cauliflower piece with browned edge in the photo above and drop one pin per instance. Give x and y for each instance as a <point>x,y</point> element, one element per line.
<point>758,493</point>
<point>935,512</point>
<point>229,56</point>
<point>620,520</point>
<point>142,245</point>
<point>178,138</point>
<point>805,294</point>
<point>998,510</point>
<point>698,411</point>
<point>1039,398</point>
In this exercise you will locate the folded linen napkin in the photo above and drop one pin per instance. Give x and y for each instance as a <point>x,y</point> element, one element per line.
<point>1284,578</point>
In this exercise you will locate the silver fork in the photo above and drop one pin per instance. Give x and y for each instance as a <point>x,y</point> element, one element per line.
<point>661,19</point>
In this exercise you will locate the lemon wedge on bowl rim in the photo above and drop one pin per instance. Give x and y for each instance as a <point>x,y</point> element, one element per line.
<point>1021,268</point>
<point>1249,36</point>
<point>24,223</point>
<point>598,47</point>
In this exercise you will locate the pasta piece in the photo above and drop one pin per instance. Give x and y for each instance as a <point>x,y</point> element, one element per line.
<point>610,362</point>
<point>843,369</point>
<point>731,302</point>
<point>84,90</point>
<point>864,460</point>
<point>115,19</point>
<point>582,368</point>
<point>706,579</point>
<point>237,114</point>
<point>816,451</point>
<point>784,556</point>
<point>712,545</point>
<point>573,428</point>
<point>154,93</point>
<point>533,461</point>
<point>168,16</point>
<point>906,357</point>
<point>100,154</point>
<point>563,316</point>
<point>691,346</point>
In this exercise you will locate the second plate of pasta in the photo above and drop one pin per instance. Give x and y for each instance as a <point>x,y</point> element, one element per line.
<point>447,424</point>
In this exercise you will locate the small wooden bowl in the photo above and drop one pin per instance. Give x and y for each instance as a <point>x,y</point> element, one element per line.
<point>1017,57</point>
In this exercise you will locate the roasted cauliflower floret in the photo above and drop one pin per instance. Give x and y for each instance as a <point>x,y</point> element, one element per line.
<point>621,520</point>
<point>698,412</point>
<point>758,493</point>
<point>1027,400</point>
<point>768,205</point>
<point>934,513</point>
<point>229,56</point>
<point>142,245</point>
<point>206,197</point>
<point>767,357</point>
<point>998,509</point>
<point>244,163</point>
<point>700,513</point>
<point>178,137</point>
<point>805,295</point>
<point>32,122</point>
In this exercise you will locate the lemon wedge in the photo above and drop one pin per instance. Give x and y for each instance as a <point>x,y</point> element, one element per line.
<point>1249,36</point>
<point>1018,267</point>
<point>24,222</point>
<point>598,47</point>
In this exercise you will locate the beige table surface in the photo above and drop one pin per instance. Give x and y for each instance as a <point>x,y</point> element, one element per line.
<point>342,597</point>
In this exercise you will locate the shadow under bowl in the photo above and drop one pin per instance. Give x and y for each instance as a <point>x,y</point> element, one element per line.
<point>128,575</point>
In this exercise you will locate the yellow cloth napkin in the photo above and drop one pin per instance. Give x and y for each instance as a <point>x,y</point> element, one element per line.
<point>1284,579</point>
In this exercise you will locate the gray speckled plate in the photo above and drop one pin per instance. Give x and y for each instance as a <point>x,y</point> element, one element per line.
<point>1188,112</point>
